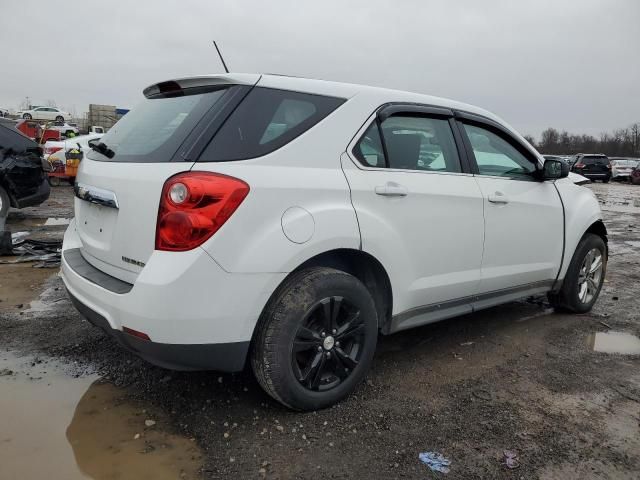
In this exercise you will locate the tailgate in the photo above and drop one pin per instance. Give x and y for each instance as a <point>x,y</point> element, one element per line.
<point>119,185</point>
<point>116,209</point>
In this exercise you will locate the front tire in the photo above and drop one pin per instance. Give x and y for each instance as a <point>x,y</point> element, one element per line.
<point>27,116</point>
<point>59,118</point>
<point>584,278</point>
<point>315,340</point>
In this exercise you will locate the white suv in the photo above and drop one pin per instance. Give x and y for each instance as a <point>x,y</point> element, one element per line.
<point>286,222</point>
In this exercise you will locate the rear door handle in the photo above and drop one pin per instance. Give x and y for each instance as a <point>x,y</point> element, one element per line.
<point>498,197</point>
<point>391,190</point>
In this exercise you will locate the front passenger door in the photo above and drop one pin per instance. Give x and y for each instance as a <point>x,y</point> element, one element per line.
<point>524,221</point>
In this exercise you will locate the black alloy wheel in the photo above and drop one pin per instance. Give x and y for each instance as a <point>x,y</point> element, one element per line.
<point>328,344</point>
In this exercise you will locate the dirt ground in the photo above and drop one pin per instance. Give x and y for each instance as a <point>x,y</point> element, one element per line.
<point>547,387</point>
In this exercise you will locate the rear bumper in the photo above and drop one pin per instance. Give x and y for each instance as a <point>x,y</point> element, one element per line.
<point>35,199</point>
<point>225,357</point>
<point>197,316</point>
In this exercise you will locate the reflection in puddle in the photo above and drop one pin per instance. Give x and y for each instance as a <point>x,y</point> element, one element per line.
<point>106,436</point>
<point>615,342</point>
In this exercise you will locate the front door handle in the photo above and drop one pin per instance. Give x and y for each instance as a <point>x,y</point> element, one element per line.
<point>391,190</point>
<point>498,197</point>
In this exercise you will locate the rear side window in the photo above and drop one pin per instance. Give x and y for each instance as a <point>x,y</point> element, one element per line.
<point>420,143</point>
<point>265,121</point>
<point>369,149</point>
<point>154,130</point>
<point>412,143</point>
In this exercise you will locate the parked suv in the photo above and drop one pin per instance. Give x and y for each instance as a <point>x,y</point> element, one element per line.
<point>286,222</point>
<point>594,167</point>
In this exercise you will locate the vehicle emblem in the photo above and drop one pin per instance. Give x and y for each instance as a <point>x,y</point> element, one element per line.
<point>132,261</point>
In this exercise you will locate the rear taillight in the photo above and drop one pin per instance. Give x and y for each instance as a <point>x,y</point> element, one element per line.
<point>579,165</point>
<point>609,166</point>
<point>50,150</point>
<point>193,206</point>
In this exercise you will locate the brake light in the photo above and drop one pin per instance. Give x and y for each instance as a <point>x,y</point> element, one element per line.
<point>50,150</point>
<point>609,166</point>
<point>193,206</point>
<point>579,165</point>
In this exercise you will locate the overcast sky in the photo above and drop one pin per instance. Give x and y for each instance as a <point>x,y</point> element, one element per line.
<point>574,65</point>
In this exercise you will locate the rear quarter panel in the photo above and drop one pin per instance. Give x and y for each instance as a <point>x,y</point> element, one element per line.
<point>305,173</point>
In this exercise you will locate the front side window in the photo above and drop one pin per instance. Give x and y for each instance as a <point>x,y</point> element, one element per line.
<point>497,157</point>
<point>412,143</point>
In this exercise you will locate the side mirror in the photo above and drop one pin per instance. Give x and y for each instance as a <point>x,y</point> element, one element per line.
<point>554,169</point>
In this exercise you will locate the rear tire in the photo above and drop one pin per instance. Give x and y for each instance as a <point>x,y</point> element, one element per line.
<point>584,278</point>
<point>59,118</point>
<point>315,340</point>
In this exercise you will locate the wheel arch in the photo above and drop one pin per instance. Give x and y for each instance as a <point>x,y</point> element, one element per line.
<point>598,228</point>
<point>362,265</point>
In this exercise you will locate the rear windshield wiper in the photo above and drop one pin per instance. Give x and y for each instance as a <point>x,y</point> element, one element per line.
<point>103,149</point>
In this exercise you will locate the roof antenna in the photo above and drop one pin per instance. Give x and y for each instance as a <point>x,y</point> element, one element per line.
<point>220,55</point>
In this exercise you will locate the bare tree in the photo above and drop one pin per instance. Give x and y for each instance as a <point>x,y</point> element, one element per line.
<point>623,142</point>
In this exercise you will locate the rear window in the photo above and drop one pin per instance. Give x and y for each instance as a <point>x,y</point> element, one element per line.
<point>155,129</point>
<point>12,139</point>
<point>595,160</point>
<point>265,121</point>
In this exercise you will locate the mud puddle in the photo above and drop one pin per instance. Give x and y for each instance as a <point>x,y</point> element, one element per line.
<point>615,342</point>
<point>57,426</point>
<point>20,283</point>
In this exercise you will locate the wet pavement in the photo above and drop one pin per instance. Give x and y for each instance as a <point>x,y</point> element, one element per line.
<point>561,392</point>
<point>59,425</point>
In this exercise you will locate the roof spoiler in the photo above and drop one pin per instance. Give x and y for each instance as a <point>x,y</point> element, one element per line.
<point>173,87</point>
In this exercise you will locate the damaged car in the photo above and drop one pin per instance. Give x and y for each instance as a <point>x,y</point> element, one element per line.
<point>23,182</point>
<point>284,223</point>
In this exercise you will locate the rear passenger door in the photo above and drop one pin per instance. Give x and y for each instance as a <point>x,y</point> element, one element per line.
<point>524,221</point>
<point>419,210</point>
